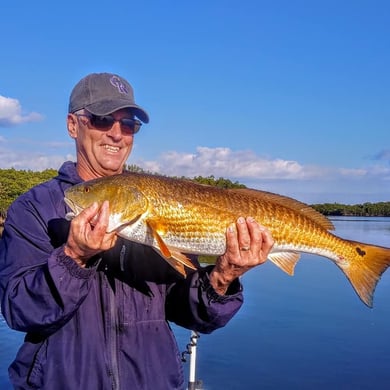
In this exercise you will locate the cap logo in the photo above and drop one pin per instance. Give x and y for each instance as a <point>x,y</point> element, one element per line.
<point>117,82</point>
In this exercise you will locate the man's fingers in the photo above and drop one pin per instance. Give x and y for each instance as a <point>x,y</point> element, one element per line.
<point>268,241</point>
<point>101,219</point>
<point>231,239</point>
<point>89,213</point>
<point>248,242</point>
<point>88,235</point>
<point>244,236</point>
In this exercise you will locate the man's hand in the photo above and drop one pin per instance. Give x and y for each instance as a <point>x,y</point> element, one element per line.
<point>247,245</point>
<point>87,236</point>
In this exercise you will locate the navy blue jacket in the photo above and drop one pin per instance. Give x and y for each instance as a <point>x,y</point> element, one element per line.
<point>100,327</point>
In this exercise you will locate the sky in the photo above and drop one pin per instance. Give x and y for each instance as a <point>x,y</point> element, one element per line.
<point>287,96</point>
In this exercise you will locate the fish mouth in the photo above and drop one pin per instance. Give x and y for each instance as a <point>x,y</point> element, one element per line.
<point>70,204</point>
<point>73,206</point>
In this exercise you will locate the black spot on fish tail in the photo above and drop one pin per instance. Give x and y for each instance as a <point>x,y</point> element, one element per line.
<point>365,269</point>
<point>360,252</point>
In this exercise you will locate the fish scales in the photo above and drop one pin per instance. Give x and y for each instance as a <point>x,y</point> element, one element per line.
<point>209,213</point>
<point>177,216</point>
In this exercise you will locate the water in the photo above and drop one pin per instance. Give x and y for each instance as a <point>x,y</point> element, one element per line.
<point>309,331</point>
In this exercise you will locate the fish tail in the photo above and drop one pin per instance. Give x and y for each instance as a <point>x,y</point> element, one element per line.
<point>365,269</point>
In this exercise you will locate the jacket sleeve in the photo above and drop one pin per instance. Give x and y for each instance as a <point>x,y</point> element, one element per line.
<point>194,304</point>
<point>40,287</point>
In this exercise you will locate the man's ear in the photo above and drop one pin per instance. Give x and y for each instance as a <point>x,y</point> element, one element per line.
<point>72,124</point>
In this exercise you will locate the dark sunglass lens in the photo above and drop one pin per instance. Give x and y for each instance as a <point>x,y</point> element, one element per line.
<point>102,122</point>
<point>130,125</point>
<point>105,122</point>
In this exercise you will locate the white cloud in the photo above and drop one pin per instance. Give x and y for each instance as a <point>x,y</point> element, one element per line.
<point>308,183</point>
<point>311,184</point>
<point>34,155</point>
<point>31,160</point>
<point>224,162</point>
<point>11,113</point>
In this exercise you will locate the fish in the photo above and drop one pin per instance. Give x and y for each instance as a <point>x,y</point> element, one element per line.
<point>179,217</point>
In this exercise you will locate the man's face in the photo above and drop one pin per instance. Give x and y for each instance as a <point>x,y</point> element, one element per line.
<point>100,152</point>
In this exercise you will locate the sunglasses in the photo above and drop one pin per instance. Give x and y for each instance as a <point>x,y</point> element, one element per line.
<point>105,122</point>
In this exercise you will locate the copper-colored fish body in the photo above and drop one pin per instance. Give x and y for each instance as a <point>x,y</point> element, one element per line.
<point>177,216</point>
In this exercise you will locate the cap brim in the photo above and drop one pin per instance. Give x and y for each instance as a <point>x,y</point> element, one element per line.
<point>108,107</point>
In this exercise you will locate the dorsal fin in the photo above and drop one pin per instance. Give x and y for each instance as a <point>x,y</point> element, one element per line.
<point>290,203</point>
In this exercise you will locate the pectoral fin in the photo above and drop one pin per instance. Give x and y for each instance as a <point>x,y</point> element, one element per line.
<point>165,251</point>
<point>175,258</point>
<point>183,259</point>
<point>177,265</point>
<point>285,260</point>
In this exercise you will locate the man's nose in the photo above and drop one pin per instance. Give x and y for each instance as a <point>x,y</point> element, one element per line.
<point>115,131</point>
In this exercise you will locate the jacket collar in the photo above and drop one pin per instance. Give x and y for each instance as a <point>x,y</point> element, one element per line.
<point>68,173</point>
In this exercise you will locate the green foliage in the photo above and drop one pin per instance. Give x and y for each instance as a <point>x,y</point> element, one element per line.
<point>134,168</point>
<point>204,259</point>
<point>15,182</point>
<point>220,183</point>
<point>380,209</point>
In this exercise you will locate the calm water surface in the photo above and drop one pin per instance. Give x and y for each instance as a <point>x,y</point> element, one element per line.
<point>309,331</point>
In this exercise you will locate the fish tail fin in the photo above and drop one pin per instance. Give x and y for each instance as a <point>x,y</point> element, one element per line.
<point>365,269</point>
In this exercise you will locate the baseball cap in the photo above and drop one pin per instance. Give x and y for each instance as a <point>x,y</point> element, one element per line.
<point>104,93</point>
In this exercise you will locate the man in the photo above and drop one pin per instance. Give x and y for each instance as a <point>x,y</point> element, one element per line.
<point>94,306</point>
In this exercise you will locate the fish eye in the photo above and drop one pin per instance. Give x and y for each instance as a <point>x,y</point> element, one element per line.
<point>86,189</point>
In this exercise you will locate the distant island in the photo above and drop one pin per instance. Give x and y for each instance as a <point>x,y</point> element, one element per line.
<point>15,182</point>
<point>379,209</point>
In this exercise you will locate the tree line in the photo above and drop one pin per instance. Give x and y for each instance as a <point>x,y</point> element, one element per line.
<point>379,209</point>
<point>15,182</point>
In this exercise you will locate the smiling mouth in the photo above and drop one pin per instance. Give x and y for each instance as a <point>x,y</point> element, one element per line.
<point>113,149</point>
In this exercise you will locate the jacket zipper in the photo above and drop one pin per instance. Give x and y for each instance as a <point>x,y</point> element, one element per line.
<point>112,338</point>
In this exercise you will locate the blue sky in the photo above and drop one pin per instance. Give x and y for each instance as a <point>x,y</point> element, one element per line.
<point>289,96</point>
